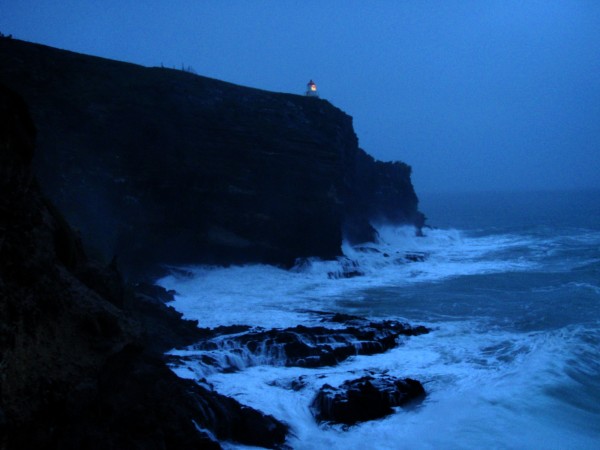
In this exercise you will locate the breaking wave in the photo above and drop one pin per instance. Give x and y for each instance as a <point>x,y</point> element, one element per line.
<point>512,360</point>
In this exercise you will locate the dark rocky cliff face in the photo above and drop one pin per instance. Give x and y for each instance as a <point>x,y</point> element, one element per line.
<point>80,363</point>
<point>162,166</point>
<point>377,193</point>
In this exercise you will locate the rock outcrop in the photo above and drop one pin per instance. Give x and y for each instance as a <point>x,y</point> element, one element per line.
<point>163,166</point>
<point>80,351</point>
<point>378,193</point>
<point>299,346</point>
<point>233,348</point>
<point>366,398</point>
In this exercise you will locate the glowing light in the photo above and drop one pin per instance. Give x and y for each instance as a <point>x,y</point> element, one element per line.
<point>311,89</point>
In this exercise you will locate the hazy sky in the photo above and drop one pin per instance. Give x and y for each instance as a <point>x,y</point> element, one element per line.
<point>474,95</point>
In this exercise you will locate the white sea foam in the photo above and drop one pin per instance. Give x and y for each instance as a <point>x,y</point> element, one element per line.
<point>268,296</point>
<point>489,383</point>
<point>483,390</point>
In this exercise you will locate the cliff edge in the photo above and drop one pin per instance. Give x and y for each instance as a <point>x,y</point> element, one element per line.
<point>161,166</point>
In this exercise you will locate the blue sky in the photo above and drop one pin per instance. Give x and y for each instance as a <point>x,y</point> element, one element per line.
<point>474,95</point>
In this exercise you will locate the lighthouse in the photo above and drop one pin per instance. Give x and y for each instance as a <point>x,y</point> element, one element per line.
<point>311,89</point>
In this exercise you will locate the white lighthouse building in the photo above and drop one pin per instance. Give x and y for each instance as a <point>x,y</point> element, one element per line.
<point>311,89</point>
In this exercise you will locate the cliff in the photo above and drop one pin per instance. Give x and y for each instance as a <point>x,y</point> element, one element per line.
<point>160,166</point>
<point>80,351</point>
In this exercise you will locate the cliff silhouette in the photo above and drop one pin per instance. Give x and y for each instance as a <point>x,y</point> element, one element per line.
<point>160,166</point>
<point>81,363</point>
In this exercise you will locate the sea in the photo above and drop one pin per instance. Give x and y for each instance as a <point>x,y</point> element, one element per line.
<point>508,283</point>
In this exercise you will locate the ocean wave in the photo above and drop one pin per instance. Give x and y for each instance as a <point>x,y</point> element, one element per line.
<point>514,345</point>
<point>481,383</point>
<point>272,297</point>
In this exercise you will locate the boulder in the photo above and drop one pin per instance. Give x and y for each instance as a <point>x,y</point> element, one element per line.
<point>366,398</point>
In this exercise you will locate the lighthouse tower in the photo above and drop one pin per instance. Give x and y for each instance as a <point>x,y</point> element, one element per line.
<point>311,89</point>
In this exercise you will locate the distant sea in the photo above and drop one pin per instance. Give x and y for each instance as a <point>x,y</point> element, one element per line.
<point>510,286</point>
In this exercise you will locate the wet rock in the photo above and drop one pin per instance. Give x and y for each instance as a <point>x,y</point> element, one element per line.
<point>367,249</point>
<point>416,256</point>
<point>230,329</point>
<point>303,346</point>
<point>340,318</point>
<point>366,398</point>
<point>348,269</point>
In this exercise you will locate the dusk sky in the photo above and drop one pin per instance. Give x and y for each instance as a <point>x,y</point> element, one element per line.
<point>474,95</point>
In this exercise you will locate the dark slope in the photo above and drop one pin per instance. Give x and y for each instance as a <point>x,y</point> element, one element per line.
<point>78,369</point>
<point>162,166</point>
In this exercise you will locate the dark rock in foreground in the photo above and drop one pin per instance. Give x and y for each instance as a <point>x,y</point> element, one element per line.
<point>79,350</point>
<point>366,398</point>
<point>137,402</point>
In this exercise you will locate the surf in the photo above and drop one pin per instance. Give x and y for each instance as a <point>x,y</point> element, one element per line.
<point>511,360</point>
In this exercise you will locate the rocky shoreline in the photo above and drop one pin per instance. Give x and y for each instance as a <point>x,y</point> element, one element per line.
<point>226,349</point>
<point>82,348</point>
<point>82,351</point>
<point>373,396</point>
